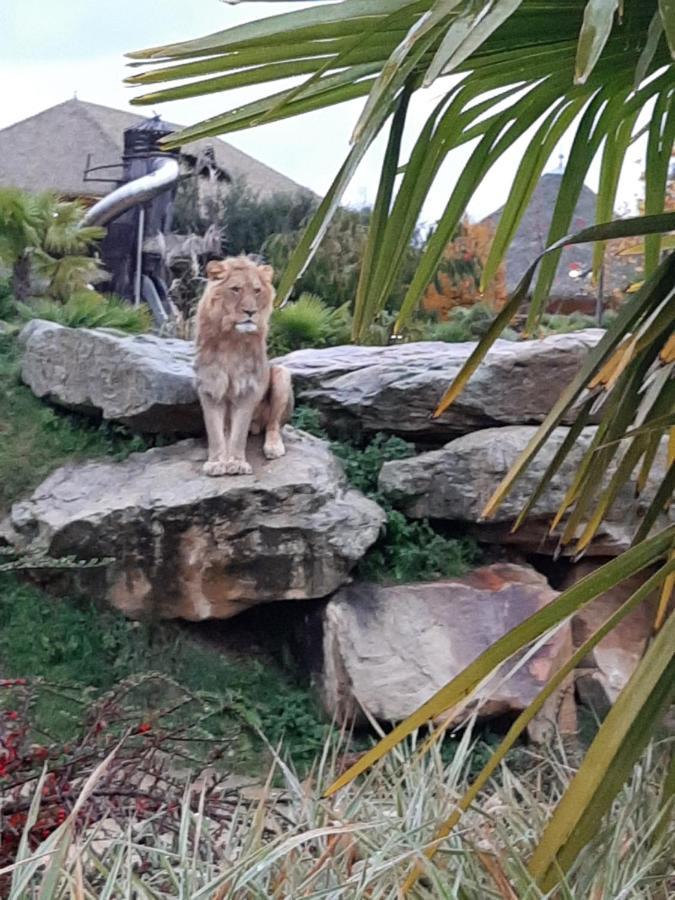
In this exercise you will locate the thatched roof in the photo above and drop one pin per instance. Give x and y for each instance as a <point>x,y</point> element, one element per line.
<point>530,240</point>
<point>49,151</point>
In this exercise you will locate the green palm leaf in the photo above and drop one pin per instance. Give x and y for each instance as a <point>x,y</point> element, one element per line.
<point>522,70</point>
<point>504,45</point>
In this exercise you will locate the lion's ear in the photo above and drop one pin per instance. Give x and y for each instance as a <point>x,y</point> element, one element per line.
<point>216,269</point>
<point>267,273</point>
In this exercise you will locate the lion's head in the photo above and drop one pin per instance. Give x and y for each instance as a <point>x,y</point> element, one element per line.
<point>239,295</point>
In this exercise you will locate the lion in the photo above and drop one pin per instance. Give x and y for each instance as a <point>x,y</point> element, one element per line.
<point>238,390</point>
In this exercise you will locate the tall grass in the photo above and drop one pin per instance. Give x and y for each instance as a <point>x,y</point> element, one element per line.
<point>212,841</point>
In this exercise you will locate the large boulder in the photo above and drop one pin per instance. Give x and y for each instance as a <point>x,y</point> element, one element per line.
<point>395,389</point>
<point>185,545</point>
<point>387,650</point>
<point>607,669</point>
<point>455,483</point>
<point>147,383</point>
<point>144,381</point>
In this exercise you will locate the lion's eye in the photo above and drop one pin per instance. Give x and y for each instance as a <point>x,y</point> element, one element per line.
<point>257,290</point>
<point>235,289</point>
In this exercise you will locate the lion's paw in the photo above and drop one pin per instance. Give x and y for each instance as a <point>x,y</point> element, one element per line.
<point>274,450</point>
<point>238,467</point>
<point>215,467</point>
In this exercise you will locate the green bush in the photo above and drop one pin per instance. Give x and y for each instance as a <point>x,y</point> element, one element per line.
<point>362,465</point>
<point>333,273</point>
<point>88,309</point>
<point>308,419</point>
<point>467,324</point>
<point>306,322</point>
<point>405,551</point>
<point>245,219</point>
<point>7,302</point>
<point>576,321</point>
<point>413,551</point>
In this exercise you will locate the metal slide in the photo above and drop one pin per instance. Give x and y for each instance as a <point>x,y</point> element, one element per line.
<point>163,175</point>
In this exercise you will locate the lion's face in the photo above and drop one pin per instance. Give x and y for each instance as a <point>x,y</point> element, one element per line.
<point>241,293</point>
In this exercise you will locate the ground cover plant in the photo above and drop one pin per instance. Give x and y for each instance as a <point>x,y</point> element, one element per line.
<point>75,662</point>
<point>406,550</point>
<point>89,309</point>
<point>35,438</point>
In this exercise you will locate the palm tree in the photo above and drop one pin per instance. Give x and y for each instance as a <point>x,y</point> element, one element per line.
<point>19,225</point>
<point>601,72</point>
<point>42,233</point>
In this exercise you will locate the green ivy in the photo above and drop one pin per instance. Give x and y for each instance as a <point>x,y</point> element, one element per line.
<point>406,550</point>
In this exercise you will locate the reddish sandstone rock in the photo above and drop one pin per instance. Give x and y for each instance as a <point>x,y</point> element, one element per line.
<point>387,650</point>
<point>607,669</point>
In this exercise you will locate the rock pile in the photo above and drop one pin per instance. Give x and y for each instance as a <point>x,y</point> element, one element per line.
<point>183,545</point>
<point>146,381</point>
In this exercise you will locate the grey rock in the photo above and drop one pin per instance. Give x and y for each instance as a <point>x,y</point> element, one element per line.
<point>143,381</point>
<point>456,482</point>
<point>189,546</point>
<point>146,382</point>
<point>397,388</point>
<point>387,650</point>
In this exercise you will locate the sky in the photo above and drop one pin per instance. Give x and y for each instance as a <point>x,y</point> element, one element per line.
<point>51,51</point>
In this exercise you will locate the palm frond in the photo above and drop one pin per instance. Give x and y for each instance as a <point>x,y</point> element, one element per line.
<point>541,81</point>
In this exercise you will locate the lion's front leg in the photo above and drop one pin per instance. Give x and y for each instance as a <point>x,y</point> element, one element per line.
<point>214,419</point>
<point>240,423</point>
<point>280,410</point>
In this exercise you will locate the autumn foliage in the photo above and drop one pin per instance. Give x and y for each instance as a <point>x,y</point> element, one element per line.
<point>457,282</point>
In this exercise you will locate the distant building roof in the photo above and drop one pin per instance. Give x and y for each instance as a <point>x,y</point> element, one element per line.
<point>531,238</point>
<point>48,151</point>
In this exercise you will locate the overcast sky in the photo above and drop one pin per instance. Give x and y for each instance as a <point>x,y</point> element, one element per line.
<point>52,49</point>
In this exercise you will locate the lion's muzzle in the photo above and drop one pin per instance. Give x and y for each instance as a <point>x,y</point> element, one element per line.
<point>246,327</point>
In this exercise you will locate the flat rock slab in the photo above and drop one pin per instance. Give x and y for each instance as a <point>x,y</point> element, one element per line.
<point>387,650</point>
<point>146,382</point>
<point>396,389</point>
<point>455,482</point>
<point>186,545</point>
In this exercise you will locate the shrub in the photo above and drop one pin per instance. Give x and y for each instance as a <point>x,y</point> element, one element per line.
<point>333,273</point>
<point>7,302</point>
<point>362,465</point>
<point>245,219</point>
<point>576,321</point>
<point>413,551</point>
<point>84,651</point>
<point>88,309</point>
<point>308,419</point>
<point>405,551</point>
<point>306,322</point>
<point>467,324</point>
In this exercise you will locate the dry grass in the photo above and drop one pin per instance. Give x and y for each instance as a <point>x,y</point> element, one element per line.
<point>213,840</point>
